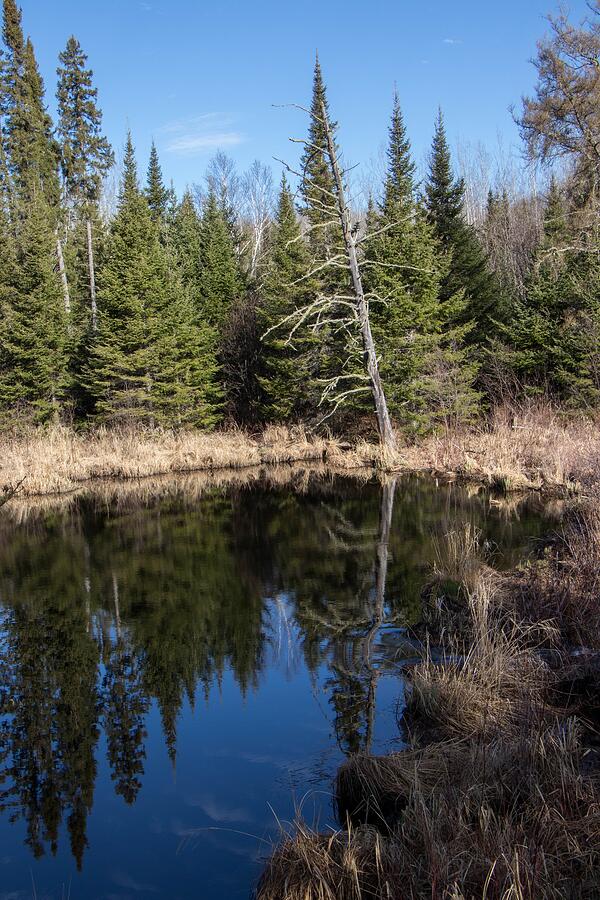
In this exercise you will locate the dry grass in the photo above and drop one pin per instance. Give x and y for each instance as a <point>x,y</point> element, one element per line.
<point>505,819</point>
<point>491,680</point>
<point>59,460</point>
<point>563,588</point>
<point>186,488</point>
<point>535,447</point>
<point>349,865</point>
<point>505,804</point>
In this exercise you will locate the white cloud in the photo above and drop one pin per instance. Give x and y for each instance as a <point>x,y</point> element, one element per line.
<point>452,41</point>
<point>196,134</point>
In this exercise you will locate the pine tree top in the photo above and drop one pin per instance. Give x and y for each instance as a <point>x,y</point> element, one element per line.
<point>12,31</point>
<point>399,182</point>
<point>444,195</point>
<point>86,155</point>
<point>129,180</point>
<point>317,180</point>
<point>156,193</point>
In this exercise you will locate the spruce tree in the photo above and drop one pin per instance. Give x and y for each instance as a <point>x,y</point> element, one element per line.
<point>287,376</point>
<point>551,341</point>
<point>317,185</point>
<point>153,357</point>
<point>333,356</point>
<point>220,278</point>
<point>30,149</point>
<point>468,270</point>
<point>86,155</point>
<point>414,324</point>
<point>186,235</point>
<point>32,320</point>
<point>86,158</point>
<point>399,189</point>
<point>156,193</point>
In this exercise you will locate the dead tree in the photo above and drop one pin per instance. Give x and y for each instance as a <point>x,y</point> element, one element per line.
<point>384,422</point>
<point>348,313</point>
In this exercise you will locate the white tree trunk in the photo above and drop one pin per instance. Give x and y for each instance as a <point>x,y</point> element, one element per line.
<point>384,423</point>
<point>92,274</point>
<point>63,277</point>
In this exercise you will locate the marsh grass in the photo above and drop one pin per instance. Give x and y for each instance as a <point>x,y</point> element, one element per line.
<point>563,588</point>
<point>496,799</point>
<point>533,446</point>
<point>59,460</point>
<point>530,448</point>
<point>505,819</point>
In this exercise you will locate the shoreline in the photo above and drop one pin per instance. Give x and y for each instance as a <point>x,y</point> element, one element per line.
<point>497,793</point>
<point>541,452</point>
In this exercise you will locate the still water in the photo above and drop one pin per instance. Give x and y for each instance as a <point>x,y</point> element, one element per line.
<point>179,675</point>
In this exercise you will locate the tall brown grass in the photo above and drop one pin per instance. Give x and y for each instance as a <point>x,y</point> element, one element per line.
<point>505,819</point>
<point>499,798</point>
<point>58,460</point>
<point>534,446</point>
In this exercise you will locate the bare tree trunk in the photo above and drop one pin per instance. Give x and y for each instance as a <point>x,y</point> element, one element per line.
<point>384,423</point>
<point>63,277</point>
<point>92,274</point>
<point>386,513</point>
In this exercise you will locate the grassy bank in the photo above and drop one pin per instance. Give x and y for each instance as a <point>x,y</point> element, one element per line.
<point>531,447</point>
<point>59,460</point>
<point>536,448</point>
<point>498,793</point>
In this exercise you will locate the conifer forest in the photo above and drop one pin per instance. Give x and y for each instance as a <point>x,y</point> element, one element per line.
<point>300,460</point>
<point>234,303</point>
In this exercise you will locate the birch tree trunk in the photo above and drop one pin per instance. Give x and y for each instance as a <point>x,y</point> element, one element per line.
<point>384,423</point>
<point>92,274</point>
<point>63,277</point>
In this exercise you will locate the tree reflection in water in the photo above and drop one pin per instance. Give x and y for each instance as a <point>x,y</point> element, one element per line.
<point>105,613</point>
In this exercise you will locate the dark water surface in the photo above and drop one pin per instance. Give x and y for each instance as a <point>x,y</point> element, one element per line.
<point>175,676</point>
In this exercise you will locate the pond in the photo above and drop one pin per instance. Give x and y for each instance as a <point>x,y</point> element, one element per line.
<point>180,675</point>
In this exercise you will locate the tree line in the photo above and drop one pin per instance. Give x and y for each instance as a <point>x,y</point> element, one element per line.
<point>222,307</point>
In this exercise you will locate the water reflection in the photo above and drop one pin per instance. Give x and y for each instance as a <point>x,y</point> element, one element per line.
<point>107,613</point>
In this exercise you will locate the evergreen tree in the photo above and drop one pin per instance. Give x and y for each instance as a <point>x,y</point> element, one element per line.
<point>187,243</point>
<point>153,356</point>
<point>551,341</point>
<point>156,193</point>
<point>86,155</point>
<point>399,189</point>
<point>468,269</point>
<point>414,325</point>
<point>86,158</point>
<point>286,378</point>
<point>220,278</point>
<point>30,148</point>
<point>32,321</point>
<point>317,185</point>
<point>334,356</point>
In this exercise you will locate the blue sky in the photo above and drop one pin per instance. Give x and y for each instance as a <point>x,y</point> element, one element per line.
<point>201,76</point>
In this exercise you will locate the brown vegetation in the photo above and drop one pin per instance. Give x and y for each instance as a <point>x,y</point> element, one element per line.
<point>535,448</point>
<point>58,460</point>
<point>499,795</point>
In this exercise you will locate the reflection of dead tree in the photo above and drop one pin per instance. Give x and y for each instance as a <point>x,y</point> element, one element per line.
<point>346,314</point>
<point>356,672</point>
<point>386,512</point>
